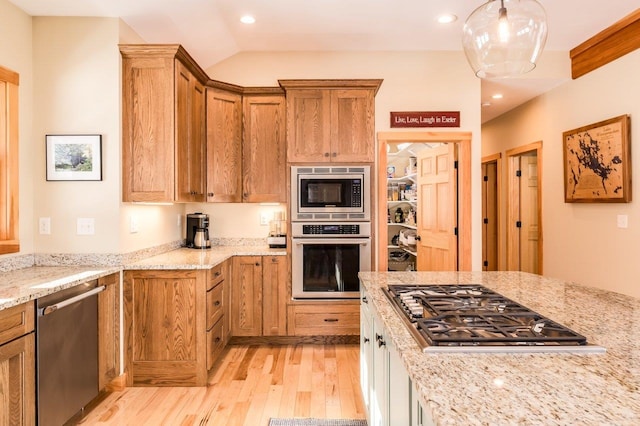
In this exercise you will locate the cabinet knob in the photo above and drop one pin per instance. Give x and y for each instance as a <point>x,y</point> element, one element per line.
<point>418,238</point>
<point>334,154</point>
<point>217,339</point>
<point>217,303</point>
<point>326,154</point>
<point>366,340</point>
<point>209,194</point>
<point>364,300</point>
<point>257,263</point>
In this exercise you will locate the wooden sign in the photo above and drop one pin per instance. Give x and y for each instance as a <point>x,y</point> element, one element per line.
<point>425,119</point>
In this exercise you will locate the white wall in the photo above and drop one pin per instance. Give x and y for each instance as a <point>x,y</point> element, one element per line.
<point>581,241</point>
<point>77,90</point>
<point>16,55</point>
<point>413,81</point>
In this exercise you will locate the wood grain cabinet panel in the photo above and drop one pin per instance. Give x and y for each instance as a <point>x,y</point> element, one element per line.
<point>324,319</point>
<point>17,366</point>
<point>275,293</point>
<point>165,327</point>
<point>108,330</point>
<point>264,149</point>
<point>224,146</point>
<point>330,120</point>
<point>163,125</point>
<point>246,296</point>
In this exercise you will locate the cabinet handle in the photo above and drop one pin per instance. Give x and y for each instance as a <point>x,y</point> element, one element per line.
<point>331,320</point>
<point>418,238</point>
<point>380,340</point>
<point>216,303</point>
<point>366,340</point>
<point>326,154</point>
<point>364,299</point>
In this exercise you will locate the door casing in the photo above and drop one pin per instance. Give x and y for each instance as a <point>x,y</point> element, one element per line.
<point>463,139</point>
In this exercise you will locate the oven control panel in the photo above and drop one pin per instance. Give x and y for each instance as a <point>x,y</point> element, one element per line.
<point>331,229</point>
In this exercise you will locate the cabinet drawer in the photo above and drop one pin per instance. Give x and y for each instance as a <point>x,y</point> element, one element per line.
<point>319,320</point>
<point>16,321</point>
<point>215,343</point>
<point>217,275</point>
<point>214,305</point>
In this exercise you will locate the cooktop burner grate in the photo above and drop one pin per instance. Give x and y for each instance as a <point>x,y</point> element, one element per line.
<point>472,315</point>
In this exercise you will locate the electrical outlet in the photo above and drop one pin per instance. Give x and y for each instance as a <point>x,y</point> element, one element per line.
<point>179,220</point>
<point>44,226</point>
<point>134,226</point>
<point>85,226</point>
<point>264,218</point>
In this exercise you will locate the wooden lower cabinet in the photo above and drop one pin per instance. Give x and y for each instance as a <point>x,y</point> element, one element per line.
<point>108,330</point>
<point>259,296</point>
<point>166,325</point>
<point>326,318</point>
<point>17,366</point>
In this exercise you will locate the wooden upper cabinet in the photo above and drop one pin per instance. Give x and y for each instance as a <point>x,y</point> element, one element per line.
<point>163,136</point>
<point>224,146</point>
<point>264,149</point>
<point>330,120</point>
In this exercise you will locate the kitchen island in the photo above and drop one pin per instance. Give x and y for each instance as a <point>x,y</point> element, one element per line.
<point>524,388</point>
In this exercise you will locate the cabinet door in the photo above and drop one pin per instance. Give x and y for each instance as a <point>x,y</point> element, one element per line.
<point>147,129</point>
<point>165,333</point>
<point>246,296</point>
<point>224,146</point>
<point>275,273</point>
<point>352,125</point>
<point>380,396</point>
<point>308,125</point>
<point>399,403</point>
<point>189,138</point>
<point>263,153</point>
<point>17,382</point>
<point>108,330</point>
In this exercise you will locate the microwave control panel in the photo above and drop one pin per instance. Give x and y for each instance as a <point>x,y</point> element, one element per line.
<point>331,229</point>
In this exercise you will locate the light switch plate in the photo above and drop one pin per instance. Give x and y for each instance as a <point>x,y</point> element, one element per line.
<point>134,225</point>
<point>265,217</point>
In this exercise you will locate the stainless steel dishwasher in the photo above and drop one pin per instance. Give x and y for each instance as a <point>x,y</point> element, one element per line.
<point>66,352</point>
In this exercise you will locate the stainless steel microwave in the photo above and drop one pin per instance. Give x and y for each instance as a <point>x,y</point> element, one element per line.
<point>336,192</point>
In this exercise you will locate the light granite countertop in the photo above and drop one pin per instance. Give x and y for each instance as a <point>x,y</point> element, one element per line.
<point>186,258</point>
<point>22,285</point>
<point>525,388</point>
<point>25,284</point>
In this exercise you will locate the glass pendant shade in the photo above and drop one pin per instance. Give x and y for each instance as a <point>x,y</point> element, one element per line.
<point>504,38</point>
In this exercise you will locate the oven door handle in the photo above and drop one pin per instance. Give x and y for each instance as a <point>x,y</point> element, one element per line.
<point>342,241</point>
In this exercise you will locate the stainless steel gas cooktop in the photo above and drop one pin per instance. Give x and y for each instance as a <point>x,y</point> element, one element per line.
<point>474,318</point>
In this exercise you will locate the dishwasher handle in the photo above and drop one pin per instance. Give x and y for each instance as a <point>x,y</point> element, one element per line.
<point>52,308</point>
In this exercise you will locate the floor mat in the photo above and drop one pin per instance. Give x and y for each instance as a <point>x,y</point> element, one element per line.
<point>316,422</point>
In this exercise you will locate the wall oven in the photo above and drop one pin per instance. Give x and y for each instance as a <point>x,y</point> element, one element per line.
<point>326,258</point>
<point>328,193</point>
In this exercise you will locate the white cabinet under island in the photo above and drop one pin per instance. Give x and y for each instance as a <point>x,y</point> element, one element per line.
<point>505,388</point>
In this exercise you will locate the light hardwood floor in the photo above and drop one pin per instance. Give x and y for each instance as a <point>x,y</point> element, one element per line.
<point>247,386</point>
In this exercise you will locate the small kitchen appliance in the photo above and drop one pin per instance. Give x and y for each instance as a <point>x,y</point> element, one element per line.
<point>474,318</point>
<point>277,231</point>
<point>198,231</point>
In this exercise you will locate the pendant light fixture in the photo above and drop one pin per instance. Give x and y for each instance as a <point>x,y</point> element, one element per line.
<point>504,38</point>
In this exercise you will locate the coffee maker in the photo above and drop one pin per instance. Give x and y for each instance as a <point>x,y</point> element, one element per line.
<point>198,231</point>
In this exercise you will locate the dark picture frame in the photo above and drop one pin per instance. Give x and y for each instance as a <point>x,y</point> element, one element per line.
<point>597,162</point>
<point>74,157</point>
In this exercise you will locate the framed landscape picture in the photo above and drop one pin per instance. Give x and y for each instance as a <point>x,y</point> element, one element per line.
<point>74,157</point>
<point>597,162</point>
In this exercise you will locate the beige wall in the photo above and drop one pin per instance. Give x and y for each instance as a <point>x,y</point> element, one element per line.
<point>413,81</point>
<point>16,54</point>
<point>581,241</point>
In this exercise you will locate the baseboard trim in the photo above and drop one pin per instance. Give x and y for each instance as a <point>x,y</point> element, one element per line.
<point>293,340</point>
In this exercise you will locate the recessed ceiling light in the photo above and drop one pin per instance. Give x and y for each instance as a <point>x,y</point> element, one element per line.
<point>447,18</point>
<point>486,104</point>
<point>248,19</point>
<point>497,96</point>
